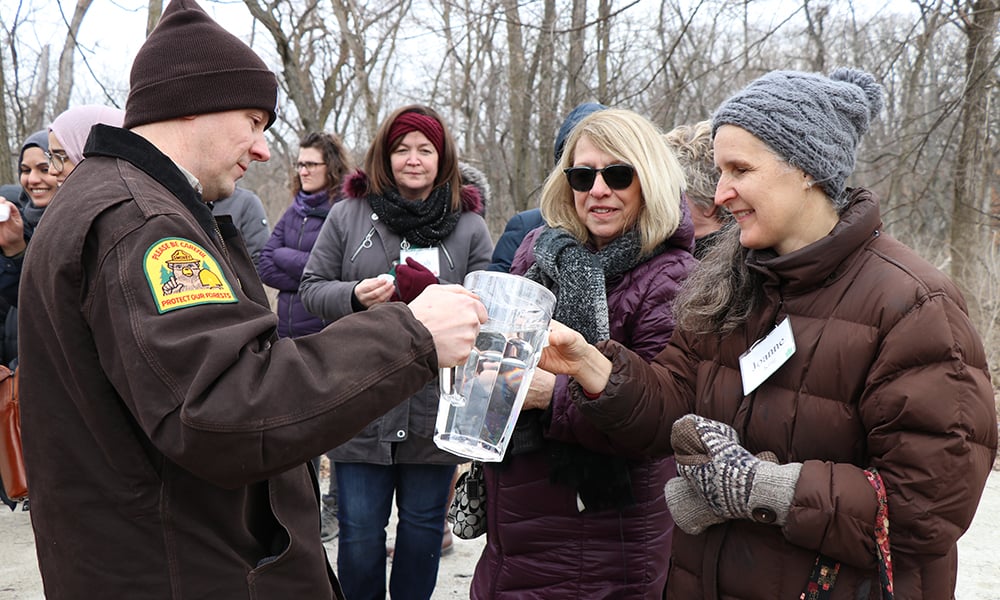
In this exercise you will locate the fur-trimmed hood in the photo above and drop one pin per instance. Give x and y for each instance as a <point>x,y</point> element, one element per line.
<point>475,189</point>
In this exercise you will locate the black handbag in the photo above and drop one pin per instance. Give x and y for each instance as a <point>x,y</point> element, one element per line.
<point>467,512</point>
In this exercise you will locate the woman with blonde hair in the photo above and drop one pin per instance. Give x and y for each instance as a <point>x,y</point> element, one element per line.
<point>570,514</point>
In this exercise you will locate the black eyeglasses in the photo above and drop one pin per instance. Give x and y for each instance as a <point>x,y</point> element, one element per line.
<point>57,161</point>
<point>308,166</point>
<point>617,177</point>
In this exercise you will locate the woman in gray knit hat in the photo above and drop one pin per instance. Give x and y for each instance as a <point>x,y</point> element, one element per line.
<point>825,395</point>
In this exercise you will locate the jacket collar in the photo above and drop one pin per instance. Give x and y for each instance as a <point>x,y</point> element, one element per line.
<point>826,259</point>
<point>119,143</point>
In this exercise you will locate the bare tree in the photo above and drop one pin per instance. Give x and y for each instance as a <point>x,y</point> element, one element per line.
<point>153,12</point>
<point>65,85</point>
<point>336,59</point>
<point>576,91</point>
<point>523,70</point>
<point>7,169</point>
<point>815,20</point>
<point>972,203</point>
<point>907,106</point>
<point>35,114</point>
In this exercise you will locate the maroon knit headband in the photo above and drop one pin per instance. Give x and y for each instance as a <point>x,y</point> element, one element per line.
<point>414,121</point>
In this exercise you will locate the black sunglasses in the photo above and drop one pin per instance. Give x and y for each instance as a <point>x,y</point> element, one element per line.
<point>617,177</point>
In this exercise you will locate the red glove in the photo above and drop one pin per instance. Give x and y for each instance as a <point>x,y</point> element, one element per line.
<point>411,279</point>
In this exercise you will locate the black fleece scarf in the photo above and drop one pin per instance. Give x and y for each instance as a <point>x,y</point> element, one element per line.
<point>578,276</point>
<point>423,223</point>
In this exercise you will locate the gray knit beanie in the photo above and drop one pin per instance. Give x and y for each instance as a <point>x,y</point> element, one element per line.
<point>812,121</point>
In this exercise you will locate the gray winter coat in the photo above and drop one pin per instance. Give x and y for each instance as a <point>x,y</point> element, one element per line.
<point>247,210</point>
<point>354,245</point>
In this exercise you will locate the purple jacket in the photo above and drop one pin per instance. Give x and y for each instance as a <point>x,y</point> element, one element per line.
<point>281,264</point>
<point>539,545</point>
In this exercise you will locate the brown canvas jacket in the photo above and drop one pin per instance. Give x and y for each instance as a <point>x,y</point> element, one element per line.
<point>165,446</point>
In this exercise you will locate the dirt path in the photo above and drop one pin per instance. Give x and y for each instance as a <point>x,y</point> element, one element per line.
<point>978,565</point>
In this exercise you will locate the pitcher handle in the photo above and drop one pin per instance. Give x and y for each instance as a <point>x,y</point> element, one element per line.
<point>446,387</point>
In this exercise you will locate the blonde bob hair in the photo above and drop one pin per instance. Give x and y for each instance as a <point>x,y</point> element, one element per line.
<point>630,138</point>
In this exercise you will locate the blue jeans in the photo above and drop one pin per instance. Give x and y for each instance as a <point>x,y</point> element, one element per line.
<point>365,493</point>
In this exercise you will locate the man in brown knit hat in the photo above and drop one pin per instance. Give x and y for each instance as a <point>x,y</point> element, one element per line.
<point>166,428</point>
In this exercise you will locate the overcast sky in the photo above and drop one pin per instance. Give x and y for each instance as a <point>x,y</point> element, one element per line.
<point>113,31</point>
<point>111,34</point>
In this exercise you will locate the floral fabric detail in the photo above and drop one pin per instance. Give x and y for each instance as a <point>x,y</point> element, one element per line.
<point>882,534</point>
<point>824,573</point>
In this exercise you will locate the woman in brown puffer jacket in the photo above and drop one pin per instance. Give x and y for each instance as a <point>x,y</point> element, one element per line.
<point>827,366</point>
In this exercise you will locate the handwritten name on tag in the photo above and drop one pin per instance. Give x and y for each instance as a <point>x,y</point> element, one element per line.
<point>766,356</point>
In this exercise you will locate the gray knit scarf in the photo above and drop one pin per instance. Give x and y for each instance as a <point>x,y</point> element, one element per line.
<point>578,276</point>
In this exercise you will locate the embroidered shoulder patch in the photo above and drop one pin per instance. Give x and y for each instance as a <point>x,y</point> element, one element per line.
<point>181,274</point>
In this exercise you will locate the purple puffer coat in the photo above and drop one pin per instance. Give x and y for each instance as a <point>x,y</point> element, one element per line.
<point>539,545</point>
<point>281,264</point>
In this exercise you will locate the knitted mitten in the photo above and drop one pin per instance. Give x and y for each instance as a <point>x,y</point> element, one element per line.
<point>687,507</point>
<point>735,483</point>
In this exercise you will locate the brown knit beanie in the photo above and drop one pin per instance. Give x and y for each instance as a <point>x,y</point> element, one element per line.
<point>190,65</point>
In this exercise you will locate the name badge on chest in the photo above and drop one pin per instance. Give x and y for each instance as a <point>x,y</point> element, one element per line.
<point>766,356</point>
<point>428,257</point>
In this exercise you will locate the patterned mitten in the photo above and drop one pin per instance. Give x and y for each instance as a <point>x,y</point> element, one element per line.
<point>735,483</point>
<point>688,508</point>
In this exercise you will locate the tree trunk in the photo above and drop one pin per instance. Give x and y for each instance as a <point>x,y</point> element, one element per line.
<point>520,102</point>
<point>815,18</point>
<point>969,214</point>
<point>7,170</point>
<point>35,114</point>
<point>603,48</point>
<point>909,118</point>
<point>65,86</point>
<point>576,84</point>
<point>297,82</point>
<point>153,15</point>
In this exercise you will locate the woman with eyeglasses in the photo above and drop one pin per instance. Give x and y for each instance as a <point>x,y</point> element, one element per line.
<point>406,222</point>
<point>68,135</point>
<point>825,395</point>
<point>319,172</point>
<point>47,157</point>
<point>570,514</point>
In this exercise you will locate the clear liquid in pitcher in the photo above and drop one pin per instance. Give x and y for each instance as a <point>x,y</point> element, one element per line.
<point>492,383</point>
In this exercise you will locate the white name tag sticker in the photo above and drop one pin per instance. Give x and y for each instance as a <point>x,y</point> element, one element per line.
<point>766,356</point>
<point>428,257</point>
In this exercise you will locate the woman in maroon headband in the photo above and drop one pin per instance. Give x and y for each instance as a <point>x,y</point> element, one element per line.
<point>406,222</point>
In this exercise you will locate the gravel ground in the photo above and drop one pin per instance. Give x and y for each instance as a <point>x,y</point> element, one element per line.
<point>978,565</point>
